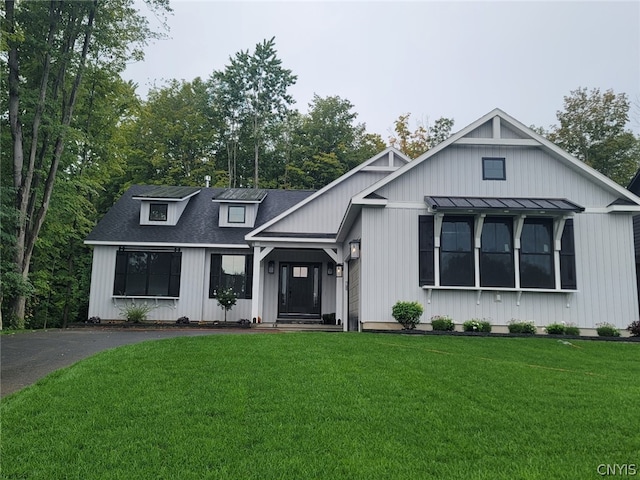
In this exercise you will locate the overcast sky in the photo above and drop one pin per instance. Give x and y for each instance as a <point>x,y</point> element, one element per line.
<point>433,59</point>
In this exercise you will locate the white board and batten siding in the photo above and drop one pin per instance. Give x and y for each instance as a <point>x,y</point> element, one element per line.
<point>194,301</point>
<point>605,264</point>
<point>324,213</point>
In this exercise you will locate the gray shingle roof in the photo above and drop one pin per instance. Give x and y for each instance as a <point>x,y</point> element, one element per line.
<point>198,223</point>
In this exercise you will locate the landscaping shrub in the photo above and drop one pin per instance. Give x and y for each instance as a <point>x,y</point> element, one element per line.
<point>136,313</point>
<point>607,330</point>
<point>407,314</point>
<point>183,321</point>
<point>556,329</point>
<point>572,330</point>
<point>477,325</point>
<point>634,328</point>
<point>226,299</point>
<point>516,326</point>
<point>442,323</point>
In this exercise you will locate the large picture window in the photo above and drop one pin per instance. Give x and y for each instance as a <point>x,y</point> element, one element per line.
<point>456,251</point>
<point>536,253</point>
<point>231,271</point>
<point>496,253</point>
<point>148,274</point>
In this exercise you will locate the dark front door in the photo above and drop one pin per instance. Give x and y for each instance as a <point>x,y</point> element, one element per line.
<point>354,296</point>
<point>299,292</point>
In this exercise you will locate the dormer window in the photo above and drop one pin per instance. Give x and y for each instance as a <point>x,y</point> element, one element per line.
<point>158,212</point>
<point>239,206</point>
<point>164,206</point>
<point>236,214</point>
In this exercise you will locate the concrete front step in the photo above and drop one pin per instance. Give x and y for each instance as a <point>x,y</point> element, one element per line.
<point>298,327</point>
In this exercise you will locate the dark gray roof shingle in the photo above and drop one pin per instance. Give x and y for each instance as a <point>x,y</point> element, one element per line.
<point>197,225</point>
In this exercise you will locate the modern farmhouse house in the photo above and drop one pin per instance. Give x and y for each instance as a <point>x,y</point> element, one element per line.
<point>496,223</point>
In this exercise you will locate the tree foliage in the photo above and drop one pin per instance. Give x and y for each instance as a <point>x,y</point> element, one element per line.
<point>593,128</point>
<point>423,138</point>
<point>252,93</point>
<point>50,47</point>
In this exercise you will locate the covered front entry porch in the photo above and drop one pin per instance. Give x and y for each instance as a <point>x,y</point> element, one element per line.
<point>297,285</point>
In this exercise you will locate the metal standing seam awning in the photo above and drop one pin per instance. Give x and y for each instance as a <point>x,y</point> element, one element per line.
<point>549,206</point>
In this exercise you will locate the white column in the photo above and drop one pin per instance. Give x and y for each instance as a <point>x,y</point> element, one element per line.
<point>256,295</point>
<point>340,310</point>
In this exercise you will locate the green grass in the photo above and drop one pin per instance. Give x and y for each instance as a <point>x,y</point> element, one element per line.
<point>352,406</point>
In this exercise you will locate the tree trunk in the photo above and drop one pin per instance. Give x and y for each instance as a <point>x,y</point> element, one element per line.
<point>256,149</point>
<point>29,225</point>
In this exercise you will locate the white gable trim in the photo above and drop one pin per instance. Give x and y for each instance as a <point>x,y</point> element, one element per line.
<point>533,140</point>
<point>394,156</point>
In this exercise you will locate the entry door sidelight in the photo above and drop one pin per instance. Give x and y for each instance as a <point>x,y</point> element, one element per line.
<point>300,290</point>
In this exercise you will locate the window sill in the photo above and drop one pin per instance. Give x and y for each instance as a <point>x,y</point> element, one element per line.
<point>498,291</point>
<point>156,300</point>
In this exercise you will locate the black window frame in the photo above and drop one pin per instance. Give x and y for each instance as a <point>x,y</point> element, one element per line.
<point>244,214</point>
<point>216,276</point>
<point>491,255</point>
<point>528,279</point>
<point>486,169</point>
<point>164,211</point>
<point>463,273</point>
<point>153,269</point>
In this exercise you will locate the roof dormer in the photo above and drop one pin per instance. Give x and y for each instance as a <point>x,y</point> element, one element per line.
<point>239,206</point>
<point>164,205</point>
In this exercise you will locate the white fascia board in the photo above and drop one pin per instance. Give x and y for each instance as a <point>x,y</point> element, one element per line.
<point>623,208</point>
<point>266,240</point>
<point>295,245</point>
<point>352,212</point>
<point>252,235</point>
<point>164,199</point>
<point>161,244</point>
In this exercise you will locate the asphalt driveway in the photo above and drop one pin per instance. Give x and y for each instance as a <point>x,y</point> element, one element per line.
<point>28,356</point>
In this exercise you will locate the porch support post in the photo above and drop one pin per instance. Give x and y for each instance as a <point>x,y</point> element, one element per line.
<point>340,310</point>
<point>256,296</point>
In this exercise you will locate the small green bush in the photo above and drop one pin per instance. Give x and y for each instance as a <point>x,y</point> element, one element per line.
<point>407,314</point>
<point>634,328</point>
<point>516,326</point>
<point>136,313</point>
<point>571,329</point>
<point>607,330</point>
<point>477,325</point>
<point>226,299</point>
<point>556,329</point>
<point>442,323</point>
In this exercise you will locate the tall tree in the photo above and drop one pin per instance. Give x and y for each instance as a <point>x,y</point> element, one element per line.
<point>172,137</point>
<point>252,92</point>
<point>49,46</point>
<point>423,138</point>
<point>328,141</point>
<point>593,128</point>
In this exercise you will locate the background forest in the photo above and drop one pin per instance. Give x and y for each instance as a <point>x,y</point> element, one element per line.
<point>75,136</point>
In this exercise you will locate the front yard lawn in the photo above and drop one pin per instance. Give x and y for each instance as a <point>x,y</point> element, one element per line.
<point>322,405</point>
